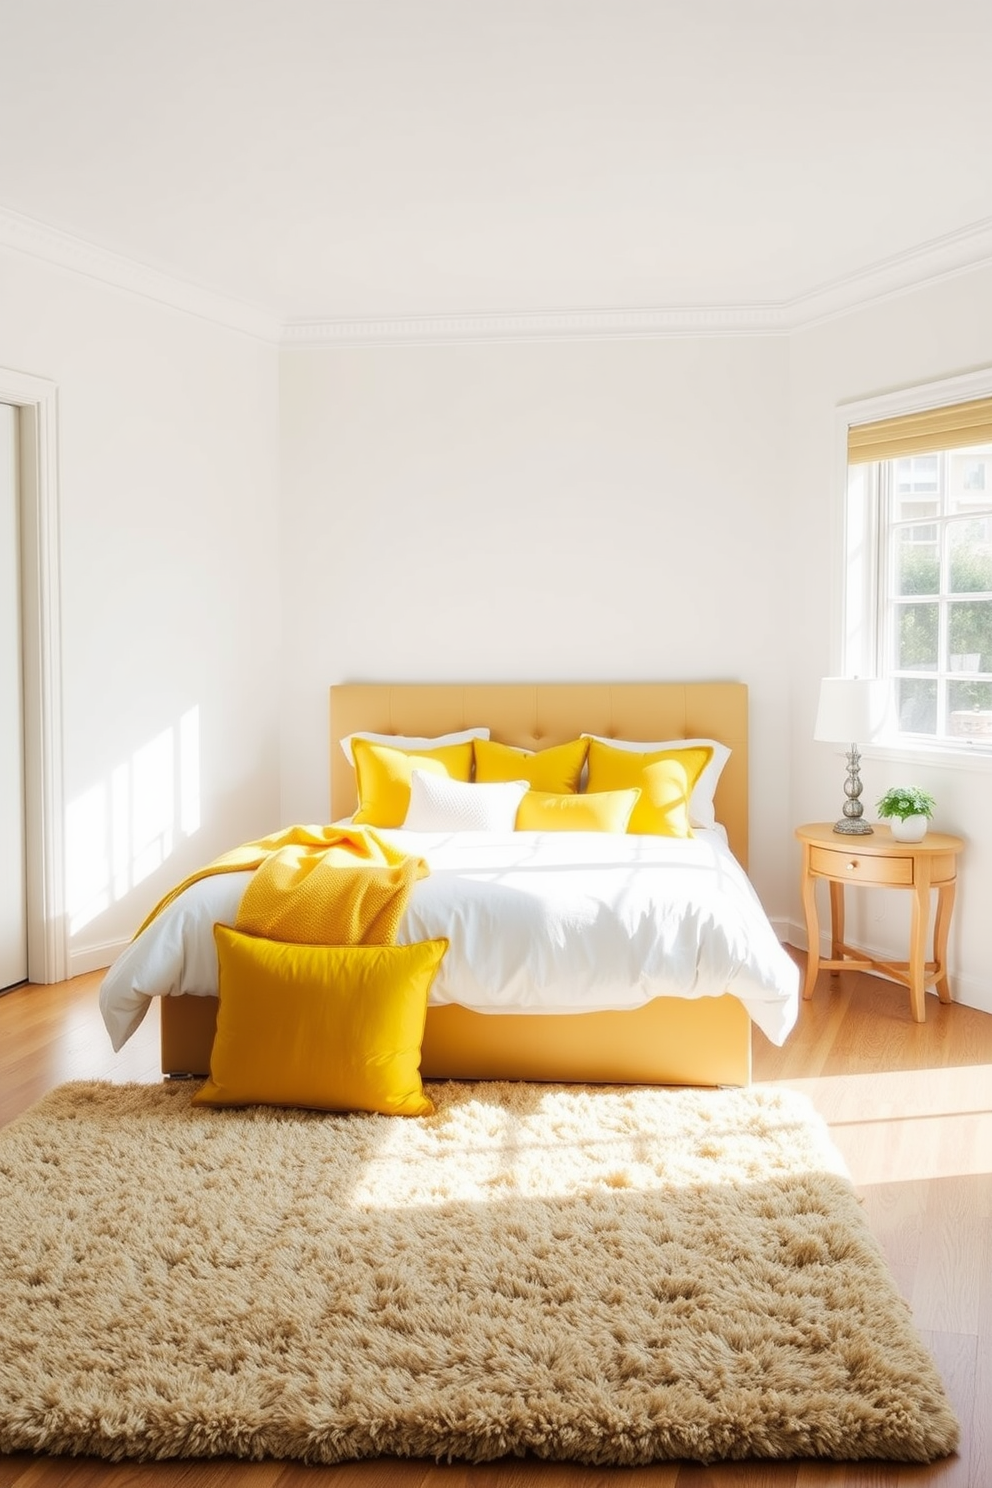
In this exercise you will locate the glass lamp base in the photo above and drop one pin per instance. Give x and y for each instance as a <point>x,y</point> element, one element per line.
<point>853,826</point>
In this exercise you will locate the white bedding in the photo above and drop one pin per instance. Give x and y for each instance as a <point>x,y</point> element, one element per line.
<point>541,922</point>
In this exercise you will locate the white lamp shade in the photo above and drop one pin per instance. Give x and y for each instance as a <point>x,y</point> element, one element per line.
<point>848,711</point>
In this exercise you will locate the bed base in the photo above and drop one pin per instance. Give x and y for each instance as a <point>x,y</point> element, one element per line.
<point>670,1041</point>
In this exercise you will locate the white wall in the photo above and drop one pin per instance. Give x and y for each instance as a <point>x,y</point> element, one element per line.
<point>168,470</point>
<point>593,510</point>
<point>940,331</point>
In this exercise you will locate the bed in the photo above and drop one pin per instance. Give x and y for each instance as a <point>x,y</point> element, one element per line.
<point>700,1037</point>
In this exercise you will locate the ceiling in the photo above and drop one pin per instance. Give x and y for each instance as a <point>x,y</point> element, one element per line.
<point>348,160</point>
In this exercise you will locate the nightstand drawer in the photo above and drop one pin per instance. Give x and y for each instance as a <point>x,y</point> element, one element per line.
<point>853,868</point>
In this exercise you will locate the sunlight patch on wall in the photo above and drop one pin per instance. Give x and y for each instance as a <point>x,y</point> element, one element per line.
<point>87,867</point>
<point>123,829</point>
<point>152,805</point>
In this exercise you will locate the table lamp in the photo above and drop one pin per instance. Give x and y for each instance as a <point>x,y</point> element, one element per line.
<point>845,714</point>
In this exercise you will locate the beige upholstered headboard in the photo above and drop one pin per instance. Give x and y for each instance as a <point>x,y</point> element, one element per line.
<point>537,715</point>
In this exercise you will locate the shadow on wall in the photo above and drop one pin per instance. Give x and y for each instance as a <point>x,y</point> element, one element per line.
<point>126,826</point>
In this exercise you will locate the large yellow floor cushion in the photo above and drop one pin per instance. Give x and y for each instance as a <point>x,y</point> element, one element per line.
<point>333,1028</point>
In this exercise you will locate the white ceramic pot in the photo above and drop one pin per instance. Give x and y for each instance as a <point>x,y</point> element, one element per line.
<point>908,828</point>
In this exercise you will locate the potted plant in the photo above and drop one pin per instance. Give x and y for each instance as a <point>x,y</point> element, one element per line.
<point>907,809</point>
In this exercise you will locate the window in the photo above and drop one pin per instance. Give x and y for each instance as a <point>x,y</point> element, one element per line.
<point>918,607</point>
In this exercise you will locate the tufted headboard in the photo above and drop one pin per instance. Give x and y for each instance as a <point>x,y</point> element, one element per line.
<point>537,715</point>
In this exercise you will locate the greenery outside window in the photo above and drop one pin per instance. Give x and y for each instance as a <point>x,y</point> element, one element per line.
<point>918,605</point>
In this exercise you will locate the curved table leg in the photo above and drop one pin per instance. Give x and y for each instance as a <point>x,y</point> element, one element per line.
<point>836,922</point>
<point>918,939</point>
<point>945,904</point>
<point>812,928</point>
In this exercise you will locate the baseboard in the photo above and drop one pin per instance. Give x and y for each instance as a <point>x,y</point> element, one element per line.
<point>968,991</point>
<point>782,928</point>
<point>95,957</point>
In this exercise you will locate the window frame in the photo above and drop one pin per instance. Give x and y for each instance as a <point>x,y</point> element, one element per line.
<point>858,637</point>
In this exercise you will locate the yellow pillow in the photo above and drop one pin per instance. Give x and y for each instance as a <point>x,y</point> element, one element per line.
<point>666,778</point>
<point>333,1028</point>
<point>602,811</point>
<point>556,769</point>
<point>383,777</point>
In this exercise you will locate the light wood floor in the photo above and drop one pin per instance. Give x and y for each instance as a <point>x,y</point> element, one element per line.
<point>909,1106</point>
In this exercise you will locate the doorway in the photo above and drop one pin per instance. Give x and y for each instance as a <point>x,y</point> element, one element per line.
<point>13,875</point>
<point>33,402</point>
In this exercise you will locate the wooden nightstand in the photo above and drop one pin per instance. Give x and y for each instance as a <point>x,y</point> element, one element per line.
<point>877,859</point>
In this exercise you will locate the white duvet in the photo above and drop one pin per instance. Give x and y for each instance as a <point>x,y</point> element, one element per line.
<point>542,922</point>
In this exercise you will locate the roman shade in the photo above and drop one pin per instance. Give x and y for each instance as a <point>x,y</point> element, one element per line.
<point>955,426</point>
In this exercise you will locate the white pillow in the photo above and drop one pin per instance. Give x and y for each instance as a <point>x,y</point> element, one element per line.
<point>701,811</point>
<point>438,804</point>
<point>403,741</point>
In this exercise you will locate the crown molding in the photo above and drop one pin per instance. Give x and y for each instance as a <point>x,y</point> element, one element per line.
<point>928,263</point>
<point>37,240</point>
<point>546,325</point>
<point>955,253</point>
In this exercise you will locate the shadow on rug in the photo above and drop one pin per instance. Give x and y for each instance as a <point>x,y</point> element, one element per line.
<point>601,1275</point>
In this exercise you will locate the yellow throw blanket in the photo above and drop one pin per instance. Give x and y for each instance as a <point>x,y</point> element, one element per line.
<point>317,885</point>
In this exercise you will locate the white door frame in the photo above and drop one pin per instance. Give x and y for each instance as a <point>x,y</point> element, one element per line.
<point>41,641</point>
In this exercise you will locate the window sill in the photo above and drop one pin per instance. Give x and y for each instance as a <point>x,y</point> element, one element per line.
<point>964,756</point>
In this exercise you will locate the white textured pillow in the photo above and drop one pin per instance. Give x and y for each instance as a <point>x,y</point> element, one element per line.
<point>701,810</point>
<point>438,804</point>
<point>406,741</point>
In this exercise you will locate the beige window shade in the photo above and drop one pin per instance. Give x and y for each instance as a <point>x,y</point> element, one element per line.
<point>954,427</point>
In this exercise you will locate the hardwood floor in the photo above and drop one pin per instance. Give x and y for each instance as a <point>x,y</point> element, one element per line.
<point>908,1105</point>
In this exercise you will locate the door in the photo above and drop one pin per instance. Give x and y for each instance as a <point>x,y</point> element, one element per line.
<point>13,893</point>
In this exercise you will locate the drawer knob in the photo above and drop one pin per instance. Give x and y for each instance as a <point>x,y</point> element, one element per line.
<point>852,865</point>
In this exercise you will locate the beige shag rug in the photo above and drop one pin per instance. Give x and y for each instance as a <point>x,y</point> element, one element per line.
<point>601,1275</point>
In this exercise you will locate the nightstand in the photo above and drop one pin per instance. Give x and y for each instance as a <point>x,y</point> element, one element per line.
<point>878,860</point>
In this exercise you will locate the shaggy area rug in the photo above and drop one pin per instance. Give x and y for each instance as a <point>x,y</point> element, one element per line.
<point>602,1275</point>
